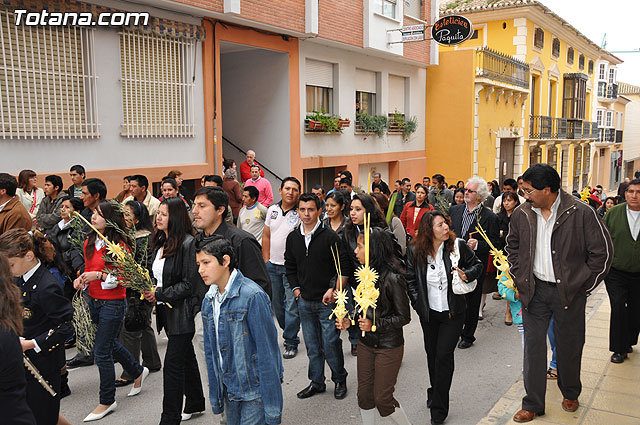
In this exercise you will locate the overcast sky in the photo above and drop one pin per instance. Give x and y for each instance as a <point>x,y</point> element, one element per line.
<point>617,18</point>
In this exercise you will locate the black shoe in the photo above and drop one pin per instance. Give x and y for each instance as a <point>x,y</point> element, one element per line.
<point>80,360</point>
<point>155,369</point>
<point>630,349</point>
<point>464,344</point>
<point>354,350</point>
<point>123,382</point>
<point>310,391</point>
<point>437,421</point>
<point>618,357</point>
<point>290,352</point>
<point>340,391</point>
<point>65,391</point>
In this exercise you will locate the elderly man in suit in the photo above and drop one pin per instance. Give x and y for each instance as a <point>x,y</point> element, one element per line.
<point>465,219</point>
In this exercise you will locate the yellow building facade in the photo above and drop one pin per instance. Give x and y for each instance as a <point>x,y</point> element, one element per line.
<point>519,92</point>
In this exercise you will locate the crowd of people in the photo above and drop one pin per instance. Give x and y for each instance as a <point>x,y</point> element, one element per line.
<point>226,260</point>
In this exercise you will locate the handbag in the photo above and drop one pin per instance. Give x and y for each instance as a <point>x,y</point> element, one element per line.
<point>458,286</point>
<point>134,318</point>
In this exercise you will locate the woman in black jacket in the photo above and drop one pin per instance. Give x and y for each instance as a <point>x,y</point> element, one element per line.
<point>430,273</point>
<point>174,272</point>
<point>380,352</point>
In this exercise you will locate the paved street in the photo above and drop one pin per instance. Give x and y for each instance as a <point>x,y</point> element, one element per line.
<point>483,374</point>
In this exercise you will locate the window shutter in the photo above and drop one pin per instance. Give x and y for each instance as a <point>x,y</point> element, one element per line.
<point>319,73</point>
<point>396,93</point>
<point>365,81</point>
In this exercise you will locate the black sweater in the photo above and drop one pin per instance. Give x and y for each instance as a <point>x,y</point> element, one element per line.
<point>313,270</point>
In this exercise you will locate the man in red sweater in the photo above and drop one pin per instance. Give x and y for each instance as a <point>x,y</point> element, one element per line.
<point>245,167</point>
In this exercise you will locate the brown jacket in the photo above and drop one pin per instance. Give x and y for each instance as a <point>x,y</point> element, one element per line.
<point>580,245</point>
<point>14,216</point>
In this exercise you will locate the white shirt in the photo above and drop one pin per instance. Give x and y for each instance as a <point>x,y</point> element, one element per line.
<point>3,205</point>
<point>63,224</point>
<point>110,282</point>
<point>280,225</point>
<point>542,258</point>
<point>634,222</point>
<point>157,268</point>
<point>437,282</point>
<point>308,236</point>
<point>218,298</point>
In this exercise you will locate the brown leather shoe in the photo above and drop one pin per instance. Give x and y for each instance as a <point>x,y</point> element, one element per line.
<point>570,405</point>
<point>524,416</point>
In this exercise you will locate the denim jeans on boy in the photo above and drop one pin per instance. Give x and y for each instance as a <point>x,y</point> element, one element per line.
<point>322,340</point>
<point>552,342</point>
<point>284,305</point>
<point>244,412</point>
<point>108,315</point>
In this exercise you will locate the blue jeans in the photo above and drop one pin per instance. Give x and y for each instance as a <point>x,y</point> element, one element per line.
<point>244,412</point>
<point>322,340</point>
<point>284,305</point>
<point>108,315</point>
<point>552,342</point>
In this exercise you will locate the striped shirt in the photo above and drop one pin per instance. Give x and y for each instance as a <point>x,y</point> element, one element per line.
<point>467,220</point>
<point>542,258</point>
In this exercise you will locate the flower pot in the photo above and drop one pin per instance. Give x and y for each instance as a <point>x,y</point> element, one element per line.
<point>344,123</point>
<point>316,125</point>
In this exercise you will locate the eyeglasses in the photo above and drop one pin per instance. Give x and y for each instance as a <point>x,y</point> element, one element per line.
<point>466,189</point>
<point>529,192</point>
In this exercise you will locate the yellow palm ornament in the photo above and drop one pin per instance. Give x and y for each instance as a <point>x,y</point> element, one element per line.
<point>499,260</point>
<point>366,294</point>
<point>340,311</point>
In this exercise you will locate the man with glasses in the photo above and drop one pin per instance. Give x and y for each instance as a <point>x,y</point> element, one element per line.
<point>559,250</point>
<point>623,280</point>
<point>465,219</point>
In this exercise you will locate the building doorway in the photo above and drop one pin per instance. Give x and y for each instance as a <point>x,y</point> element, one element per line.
<point>507,156</point>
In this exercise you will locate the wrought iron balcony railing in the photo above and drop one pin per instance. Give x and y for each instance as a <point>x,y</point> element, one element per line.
<point>543,127</point>
<point>500,67</point>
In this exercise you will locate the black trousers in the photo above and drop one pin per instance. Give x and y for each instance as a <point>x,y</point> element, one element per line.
<point>181,378</point>
<point>624,295</point>
<point>473,306</point>
<point>569,329</point>
<point>441,335</point>
<point>45,408</point>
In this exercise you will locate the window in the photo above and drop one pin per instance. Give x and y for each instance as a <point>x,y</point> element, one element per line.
<point>581,62</point>
<point>602,89</point>
<point>412,8</point>
<point>474,36</point>
<point>601,73</point>
<point>47,82</point>
<point>319,86</point>
<point>366,84</point>
<point>574,94</point>
<point>538,39</point>
<point>609,118</point>
<point>612,75</point>
<point>552,156</point>
<point>157,85</point>
<point>570,55</point>
<point>590,67</point>
<point>387,8</point>
<point>599,116</point>
<point>396,93</point>
<point>555,47</point>
<point>535,155</point>
<point>577,166</point>
<point>587,164</point>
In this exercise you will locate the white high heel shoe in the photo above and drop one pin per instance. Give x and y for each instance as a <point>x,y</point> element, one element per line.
<point>136,391</point>
<point>97,416</point>
<point>187,416</point>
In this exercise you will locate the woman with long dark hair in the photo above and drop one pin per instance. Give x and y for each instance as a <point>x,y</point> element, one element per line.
<point>174,273</point>
<point>142,337</point>
<point>336,203</point>
<point>107,306</point>
<point>380,353</point>
<point>360,205</point>
<point>46,319</point>
<point>13,383</point>
<point>610,201</point>
<point>413,211</point>
<point>431,270</point>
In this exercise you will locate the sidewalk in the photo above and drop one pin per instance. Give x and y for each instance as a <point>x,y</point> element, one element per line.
<point>610,392</point>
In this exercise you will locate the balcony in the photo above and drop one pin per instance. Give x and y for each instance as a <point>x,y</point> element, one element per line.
<point>497,66</point>
<point>609,135</point>
<point>548,128</point>
<point>607,92</point>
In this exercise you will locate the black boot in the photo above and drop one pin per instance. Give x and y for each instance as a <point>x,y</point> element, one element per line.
<point>64,384</point>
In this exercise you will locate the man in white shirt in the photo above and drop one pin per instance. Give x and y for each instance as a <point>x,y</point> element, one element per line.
<point>252,214</point>
<point>281,219</point>
<point>138,186</point>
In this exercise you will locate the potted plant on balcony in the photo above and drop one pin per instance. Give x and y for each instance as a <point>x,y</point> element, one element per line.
<point>398,124</point>
<point>371,124</point>
<point>325,123</point>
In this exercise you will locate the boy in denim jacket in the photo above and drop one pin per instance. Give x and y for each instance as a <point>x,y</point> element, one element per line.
<point>237,319</point>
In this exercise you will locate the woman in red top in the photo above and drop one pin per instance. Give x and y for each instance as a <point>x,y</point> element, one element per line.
<point>107,308</point>
<point>413,211</point>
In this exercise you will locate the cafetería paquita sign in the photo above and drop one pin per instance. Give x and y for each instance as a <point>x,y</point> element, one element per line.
<point>451,30</point>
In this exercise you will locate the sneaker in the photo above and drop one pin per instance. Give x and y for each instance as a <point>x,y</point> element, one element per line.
<point>290,352</point>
